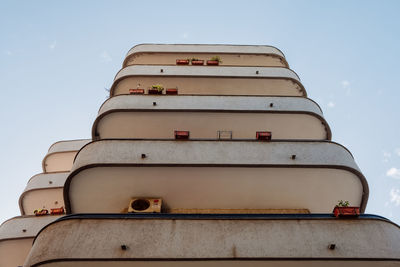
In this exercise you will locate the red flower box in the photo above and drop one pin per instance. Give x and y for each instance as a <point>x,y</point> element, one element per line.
<point>346,211</point>
<point>212,62</point>
<point>182,62</point>
<point>264,136</point>
<point>171,91</point>
<point>57,211</point>
<point>197,62</point>
<point>136,91</point>
<point>154,92</point>
<point>182,135</point>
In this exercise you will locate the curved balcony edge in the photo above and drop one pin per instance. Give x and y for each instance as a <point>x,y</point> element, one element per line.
<point>204,48</point>
<point>349,235</point>
<point>54,180</point>
<point>311,159</point>
<point>185,103</point>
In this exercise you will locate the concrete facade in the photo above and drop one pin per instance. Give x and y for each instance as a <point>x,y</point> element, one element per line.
<point>231,55</point>
<point>43,191</point>
<point>220,197</point>
<point>153,117</point>
<point>210,81</point>
<point>194,239</point>
<point>61,155</point>
<point>226,175</point>
<point>16,238</point>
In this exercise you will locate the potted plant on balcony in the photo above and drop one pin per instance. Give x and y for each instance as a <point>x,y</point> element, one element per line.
<point>183,61</point>
<point>197,62</point>
<point>343,209</point>
<point>41,212</point>
<point>214,61</point>
<point>156,89</point>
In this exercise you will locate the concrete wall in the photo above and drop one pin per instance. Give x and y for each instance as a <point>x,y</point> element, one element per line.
<point>109,189</point>
<point>147,239</point>
<point>225,263</point>
<point>16,236</point>
<point>248,174</point>
<point>59,161</point>
<point>212,85</point>
<point>49,198</point>
<point>148,116</point>
<point>210,81</point>
<point>13,252</point>
<point>150,58</point>
<point>43,190</point>
<point>154,125</point>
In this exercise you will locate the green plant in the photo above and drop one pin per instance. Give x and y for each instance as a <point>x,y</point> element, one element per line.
<point>216,58</point>
<point>158,87</point>
<point>342,203</point>
<point>195,59</point>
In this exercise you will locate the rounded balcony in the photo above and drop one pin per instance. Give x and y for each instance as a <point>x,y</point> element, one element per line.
<point>230,55</point>
<point>215,240</point>
<point>202,80</point>
<point>210,176</point>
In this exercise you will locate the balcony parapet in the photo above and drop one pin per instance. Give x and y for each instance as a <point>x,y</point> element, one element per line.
<point>212,240</point>
<point>152,117</point>
<point>43,191</point>
<point>211,81</point>
<point>251,55</point>
<point>16,237</point>
<point>61,154</point>
<point>215,174</point>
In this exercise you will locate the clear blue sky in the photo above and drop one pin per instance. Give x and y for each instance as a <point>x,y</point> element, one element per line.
<point>57,58</point>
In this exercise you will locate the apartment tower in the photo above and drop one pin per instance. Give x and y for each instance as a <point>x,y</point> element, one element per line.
<point>203,155</point>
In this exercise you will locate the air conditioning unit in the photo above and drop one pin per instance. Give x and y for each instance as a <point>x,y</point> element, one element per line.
<point>145,205</point>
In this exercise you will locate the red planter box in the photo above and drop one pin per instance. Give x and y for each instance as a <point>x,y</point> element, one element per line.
<point>182,135</point>
<point>154,92</point>
<point>136,91</point>
<point>264,136</point>
<point>172,91</point>
<point>212,62</point>
<point>182,62</point>
<point>57,211</point>
<point>346,211</point>
<point>197,62</point>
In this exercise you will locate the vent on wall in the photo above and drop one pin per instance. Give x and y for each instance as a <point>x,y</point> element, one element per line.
<point>224,135</point>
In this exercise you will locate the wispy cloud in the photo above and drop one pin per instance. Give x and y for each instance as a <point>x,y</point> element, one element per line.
<point>395,196</point>
<point>105,56</point>
<point>397,151</point>
<point>8,53</point>
<point>346,86</point>
<point>185,35</point>
<point>393,172</point>
<point>386,156</point>
<point>331,104</point>
<point>52,46</point>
